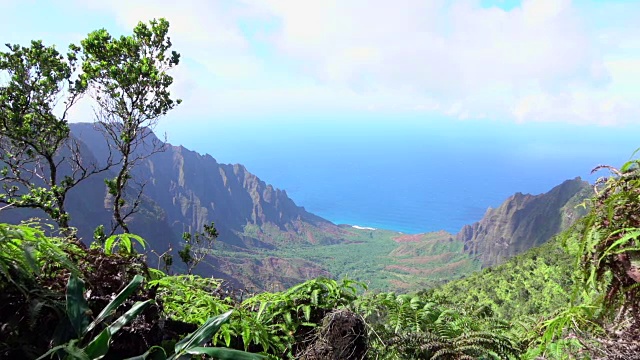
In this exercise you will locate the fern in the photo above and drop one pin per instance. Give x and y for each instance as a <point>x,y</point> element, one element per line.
<point>416,327</point>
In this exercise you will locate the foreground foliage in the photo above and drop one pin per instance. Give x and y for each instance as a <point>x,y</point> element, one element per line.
<point>577,296</point>
<point>50,288</point>
<point>417,327</point>
<point>76,301</point>
<point>610,250</point>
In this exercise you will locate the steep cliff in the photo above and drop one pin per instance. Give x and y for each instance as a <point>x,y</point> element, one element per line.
<point>88,204</point>
<point>524,221</point>
<point>184,190</point>
<point>194,189</point>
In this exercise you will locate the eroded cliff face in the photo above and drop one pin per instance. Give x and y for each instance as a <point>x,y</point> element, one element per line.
<point>524,221</point>
<point>194,190</point>
<point>191,190</point>
<point>88,203</point>
<point>183,190</point>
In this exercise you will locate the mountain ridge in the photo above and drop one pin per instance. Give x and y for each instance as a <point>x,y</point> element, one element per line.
<point>524,221</point>
<point>202,190</point>
<point>267,241</point>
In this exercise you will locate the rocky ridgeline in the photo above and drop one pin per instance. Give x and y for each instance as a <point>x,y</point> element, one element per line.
<point>524,221</point>
<point>184,190</point>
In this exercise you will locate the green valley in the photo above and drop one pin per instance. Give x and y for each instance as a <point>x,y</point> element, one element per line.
<point>384,260</point>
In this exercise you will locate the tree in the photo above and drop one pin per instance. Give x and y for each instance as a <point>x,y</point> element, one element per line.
<point>128,79</point>
<point>197,246</point>
<point>40,161</point>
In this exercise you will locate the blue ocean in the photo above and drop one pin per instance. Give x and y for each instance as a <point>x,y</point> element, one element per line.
<point>409,176</point>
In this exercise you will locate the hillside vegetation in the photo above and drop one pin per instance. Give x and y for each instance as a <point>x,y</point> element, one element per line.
<point>574,297</point>
<point>534,283</point>
<point>52,289</point>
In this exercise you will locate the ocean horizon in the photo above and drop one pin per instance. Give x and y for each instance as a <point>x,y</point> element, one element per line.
<point>410,177</point>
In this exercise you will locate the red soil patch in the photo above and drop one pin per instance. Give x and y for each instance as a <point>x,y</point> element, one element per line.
<point>403,250</point>
<point>405,269</point>
<point>408,238</point>
<point>311,238</point>
<point>427,272</point>
<point>399,284</point>
<point>426,259</point>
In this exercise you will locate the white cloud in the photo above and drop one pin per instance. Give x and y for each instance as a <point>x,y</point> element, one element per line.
<point>449,52</point>
<point>545,60</point>
<point>207,31</point>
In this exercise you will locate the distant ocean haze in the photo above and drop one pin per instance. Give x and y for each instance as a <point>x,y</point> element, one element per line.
<point>409,176</point>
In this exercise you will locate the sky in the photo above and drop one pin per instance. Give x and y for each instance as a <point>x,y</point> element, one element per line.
<point>287,70</point>
<point>574,62</point>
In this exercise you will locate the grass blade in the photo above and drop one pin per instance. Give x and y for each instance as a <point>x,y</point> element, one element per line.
<point>77,307</point>
<point>119,299</point>
<point>203,334</point>
<point>224,353</point>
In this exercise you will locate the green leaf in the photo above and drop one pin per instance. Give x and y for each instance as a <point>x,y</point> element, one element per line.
<point>119,299</point>
<point>124,242</point>
<point>99,346</point>
<point>416,303</point>
<point>129,243</point>
<point>203,334</point>
<point>69,348</point>
<point>629,165</point>
<point>246,337</point>
<point>224,353</point>
<point>622,240</point>
<point>307,312</point>
<point>154,353</point>
<point>263,305</point>
<point>30,259</point>
<point>131,314</point>
<point>109,244</point>
<point>77,307</point>
<point>227,337</point>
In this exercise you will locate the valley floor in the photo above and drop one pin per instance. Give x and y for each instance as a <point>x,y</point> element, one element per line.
<point>385,260</point>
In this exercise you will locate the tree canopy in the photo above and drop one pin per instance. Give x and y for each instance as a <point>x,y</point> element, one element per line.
<point>34,170</point>
<point>128,79</point>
